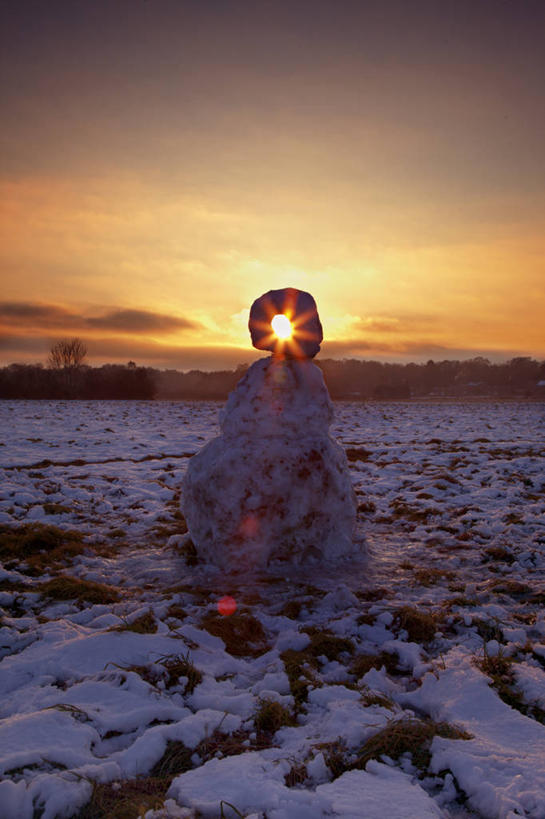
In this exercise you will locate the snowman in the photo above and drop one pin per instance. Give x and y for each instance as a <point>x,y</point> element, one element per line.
<point>274,486</point>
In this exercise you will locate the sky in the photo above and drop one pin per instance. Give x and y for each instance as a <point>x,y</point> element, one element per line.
<point>165,162</point>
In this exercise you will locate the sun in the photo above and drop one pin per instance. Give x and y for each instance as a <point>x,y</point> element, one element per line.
<point>282,326</point>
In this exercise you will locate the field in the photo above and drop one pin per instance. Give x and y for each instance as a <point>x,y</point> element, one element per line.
<point>410,683</point>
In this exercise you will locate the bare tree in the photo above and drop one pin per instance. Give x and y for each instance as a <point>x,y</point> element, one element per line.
<point>68,353</point>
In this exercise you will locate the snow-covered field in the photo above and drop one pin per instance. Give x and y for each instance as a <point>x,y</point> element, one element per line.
<point>410,683</point>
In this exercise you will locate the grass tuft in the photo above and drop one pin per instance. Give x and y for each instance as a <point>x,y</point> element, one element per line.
<point>300,676</point>
<point>334,757</point>
<point>38,546</point>
<point>407,735</point>
<point>370,698</point>
<point>242,634</point>
<point>145,624</point>
<point>430,576</point>
<point>72,588</point>
<point>323,642</point>
<point>512,588</point>
<point>488,629</point>
<point>419,625</point>
<point>363,663</point>
<point>499,554</point>
<point>300,665</point>
<point>271,715</point>
<point>56,509</point>
<point>297,775</point>
<point>180,665</point>
<point>357,454</point>
<point>175,760</point>
<point>32,538</point>
<point>291,609</point>
<point>126,800</point>
<point>176,612</point>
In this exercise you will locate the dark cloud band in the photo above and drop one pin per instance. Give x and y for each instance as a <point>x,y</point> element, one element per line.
<point>33,316</point>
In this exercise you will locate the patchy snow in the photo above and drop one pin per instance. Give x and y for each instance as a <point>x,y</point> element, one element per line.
<point>452,506</point>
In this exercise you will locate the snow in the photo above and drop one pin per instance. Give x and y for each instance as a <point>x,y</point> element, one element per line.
<point>452,503</point>
<point>253,783</point>
<point>502,768</point>
<point>366,793</point>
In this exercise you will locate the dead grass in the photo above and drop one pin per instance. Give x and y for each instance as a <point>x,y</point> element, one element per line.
<point>513,518</point>
<point>301,665</point>
<point>242,634</point>
<point>126,800</point>
<point>145,624</point>
<point>176,611</point>
<point>334,756</point>
<point>174,668</point>
<point>371,595</point>
<point>239,742</point>
<point>323,642</point>
<point>291,609</point>
<point>56,509</point>
<point>407,735</point>
<point>31,538</point>
<point>370,698</point>
<point>181,665</point>
<point>72,588</point>
<point>363,663</point>
<point>297,775</point>
<point>414,514</point>
<point>146,672</point>
<point>271,715</point>
<point>177,757</point>
<point>431,576</point>
<point>512,588</point>
<point>498,554</point>
<point>175,760</point>
<point>38,546</point>
<point>357,454</point>
<point>367,508</point>
<point>300,676</point>
<point>419,625</point>
<point>461,600</point>
<point>488,629</point>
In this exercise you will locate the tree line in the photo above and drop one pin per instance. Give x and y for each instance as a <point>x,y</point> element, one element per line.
<point>66,376</point>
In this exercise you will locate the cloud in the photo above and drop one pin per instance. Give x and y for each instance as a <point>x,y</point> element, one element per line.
<point>22,313</point>
<point>31,316</point>
<point>139,321</point>
<point>403,323</point>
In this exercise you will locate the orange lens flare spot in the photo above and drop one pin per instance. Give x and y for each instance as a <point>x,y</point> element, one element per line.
<point>227,605</point>
<point>249,526</point>
<point>282,326</point>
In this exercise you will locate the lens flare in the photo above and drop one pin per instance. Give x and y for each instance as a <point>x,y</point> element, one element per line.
<point>227,605</point>
<point>282,326</point>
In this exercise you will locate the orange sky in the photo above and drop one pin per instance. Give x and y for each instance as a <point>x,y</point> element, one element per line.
<point>166,162</point>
